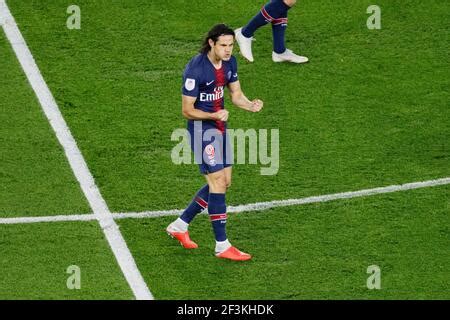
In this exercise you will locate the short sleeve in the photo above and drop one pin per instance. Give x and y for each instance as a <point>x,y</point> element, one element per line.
<point>234,71</point>
<point>191,81</point>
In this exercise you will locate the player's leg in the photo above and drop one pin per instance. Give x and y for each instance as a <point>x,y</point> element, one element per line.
<point>279,27</point>
<point>280,52</point>
<point>228,172</point>
<point>217,210</point>
<point>219,181</point>
<point>179,228</point>
<point>217,207</point>
<point>268,13</point>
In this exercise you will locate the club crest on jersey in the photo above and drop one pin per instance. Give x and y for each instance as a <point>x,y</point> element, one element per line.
<point>209,149</point>
<point>189,84</point>
<point>210,152</point>
<point>209,97</point>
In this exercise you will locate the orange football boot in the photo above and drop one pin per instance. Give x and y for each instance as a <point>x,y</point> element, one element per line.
<point>183,238</point>
<point>233,253</point>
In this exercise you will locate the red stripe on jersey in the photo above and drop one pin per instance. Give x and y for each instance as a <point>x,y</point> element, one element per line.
<point>215,217</point>
<point>201,202</point>
<point>218,104</point>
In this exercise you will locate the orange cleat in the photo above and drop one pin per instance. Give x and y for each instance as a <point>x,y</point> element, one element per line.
<point>183,238</point>
<point>233,253</point>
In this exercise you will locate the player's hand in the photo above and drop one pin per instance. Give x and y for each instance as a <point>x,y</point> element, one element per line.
<point>257,105</point>
<point>221,115</point>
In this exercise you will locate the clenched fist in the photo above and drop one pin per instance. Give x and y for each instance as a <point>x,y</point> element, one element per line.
<point>257,105</point>
<point>221,115</point>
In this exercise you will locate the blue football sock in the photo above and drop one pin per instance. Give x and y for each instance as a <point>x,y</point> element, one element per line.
<point>198,204</point>
<point>218,215</point>
<point>270,12</point>
<point>278,31</point>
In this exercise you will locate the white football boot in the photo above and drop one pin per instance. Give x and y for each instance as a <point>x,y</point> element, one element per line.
<point>288,56</point>
<point>245,44</point>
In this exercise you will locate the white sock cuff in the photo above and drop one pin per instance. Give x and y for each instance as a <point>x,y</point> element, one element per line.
<point>221,246</point>
<point>181,225</point>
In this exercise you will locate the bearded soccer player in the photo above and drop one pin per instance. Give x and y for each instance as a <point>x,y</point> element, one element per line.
<point>204,80</point>
<point>274,12</point>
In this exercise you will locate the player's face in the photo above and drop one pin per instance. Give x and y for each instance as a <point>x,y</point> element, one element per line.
<point>223,48</point>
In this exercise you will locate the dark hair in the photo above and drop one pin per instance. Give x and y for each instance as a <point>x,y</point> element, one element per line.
<point>214,34</point>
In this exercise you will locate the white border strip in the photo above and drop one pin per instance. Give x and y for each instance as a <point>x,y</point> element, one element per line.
<point>260,206</point>
<point>74,156</point>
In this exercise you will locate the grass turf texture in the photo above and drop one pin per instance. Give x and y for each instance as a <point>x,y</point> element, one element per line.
<point>319,251</point>
<point>35,176</point>
<point>369,110</point>
<point>35,257</point>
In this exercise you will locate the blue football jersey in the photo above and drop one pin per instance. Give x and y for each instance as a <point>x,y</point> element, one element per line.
<point>206,83</point>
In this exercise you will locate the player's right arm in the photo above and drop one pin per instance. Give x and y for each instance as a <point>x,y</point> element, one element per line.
<point>191,113</point>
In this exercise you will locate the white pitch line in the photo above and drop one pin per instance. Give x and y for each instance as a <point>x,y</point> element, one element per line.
<point>60,218</point>
<point>74,156</point>
<point>259,206</point>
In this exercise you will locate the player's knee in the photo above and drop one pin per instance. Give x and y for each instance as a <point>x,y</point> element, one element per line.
<point>228,183</point>
<point>220,182</point>
<point>290,3</point>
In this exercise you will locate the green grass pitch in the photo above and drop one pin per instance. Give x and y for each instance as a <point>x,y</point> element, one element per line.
<point>371,109</point>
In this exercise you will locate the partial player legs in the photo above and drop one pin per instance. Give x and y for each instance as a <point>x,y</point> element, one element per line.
<point>275,12</point>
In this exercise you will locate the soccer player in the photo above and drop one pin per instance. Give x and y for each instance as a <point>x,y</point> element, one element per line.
<point>275,12</point>
<point>204,80</point>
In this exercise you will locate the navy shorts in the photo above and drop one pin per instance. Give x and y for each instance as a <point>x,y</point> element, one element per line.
<point>211,147</point>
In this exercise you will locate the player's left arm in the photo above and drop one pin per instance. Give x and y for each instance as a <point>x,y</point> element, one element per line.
<point>240,100</point>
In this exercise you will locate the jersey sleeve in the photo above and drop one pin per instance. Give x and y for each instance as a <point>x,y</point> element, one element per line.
<point>191,81</point>
<point>234,71</point>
